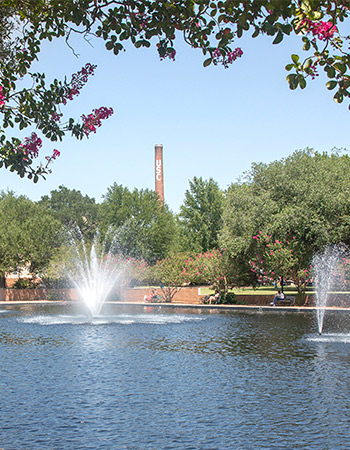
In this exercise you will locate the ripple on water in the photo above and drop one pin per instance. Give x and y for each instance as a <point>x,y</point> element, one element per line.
<point>122,319</point>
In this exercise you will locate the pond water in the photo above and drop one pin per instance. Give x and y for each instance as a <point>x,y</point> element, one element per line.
<point>157,378</point>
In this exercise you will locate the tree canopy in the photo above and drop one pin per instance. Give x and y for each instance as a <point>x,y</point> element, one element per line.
<point>300,203</point>
<point>29,236</point>
<point>146,228</point>
<point>72,208</point>
<point>27,101</point>
<point>201,215</point>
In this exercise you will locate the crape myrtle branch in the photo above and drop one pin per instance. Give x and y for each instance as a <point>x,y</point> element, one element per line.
<point>40,107</point>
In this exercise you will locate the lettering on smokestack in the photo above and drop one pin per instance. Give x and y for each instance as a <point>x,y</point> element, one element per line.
<point>158,170</point>
<point>159,185</point>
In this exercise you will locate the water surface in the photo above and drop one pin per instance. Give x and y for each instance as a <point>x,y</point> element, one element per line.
<point>153,378</point>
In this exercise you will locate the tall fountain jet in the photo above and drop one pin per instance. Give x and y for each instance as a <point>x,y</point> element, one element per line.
<point>328,268</point>
<point>159,176</point>
<point>94,269</point>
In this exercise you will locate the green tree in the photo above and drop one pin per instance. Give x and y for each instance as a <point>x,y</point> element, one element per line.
<point>305,196</point>
<point>212,27</point>
<point>146,228</point>
<point>169,274</point>
<point>29,235</point>
<point>201,215</point>
<point>72,208</point>
<point>215,268</point>
<point>282,260</point>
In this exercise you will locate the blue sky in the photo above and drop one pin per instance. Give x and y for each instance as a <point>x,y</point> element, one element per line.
<point>212,122</point>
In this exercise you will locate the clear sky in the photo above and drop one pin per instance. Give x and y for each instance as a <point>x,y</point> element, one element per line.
<point>212,122</point>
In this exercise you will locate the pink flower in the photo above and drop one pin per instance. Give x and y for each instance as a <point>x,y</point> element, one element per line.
<point>93,120</point>
<point>2,98</point>
<point>78,81</point>
<point>31,145</point>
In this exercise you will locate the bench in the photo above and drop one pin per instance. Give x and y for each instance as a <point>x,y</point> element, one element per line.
<point>206,300</point>
<point>287,301</point>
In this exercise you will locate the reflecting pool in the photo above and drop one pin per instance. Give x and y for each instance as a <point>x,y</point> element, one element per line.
<point>157,378</point>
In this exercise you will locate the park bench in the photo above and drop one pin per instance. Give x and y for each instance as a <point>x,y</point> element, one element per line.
<point>287,301</point>
<point>206,300</point>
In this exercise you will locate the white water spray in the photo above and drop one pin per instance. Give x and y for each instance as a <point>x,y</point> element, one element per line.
<point>326,268</point>
<point>94,271</point>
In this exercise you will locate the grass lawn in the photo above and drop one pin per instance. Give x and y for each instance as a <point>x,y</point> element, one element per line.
<point>263,290</point>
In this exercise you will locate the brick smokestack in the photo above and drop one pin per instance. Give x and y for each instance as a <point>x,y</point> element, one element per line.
<point>159,185</point>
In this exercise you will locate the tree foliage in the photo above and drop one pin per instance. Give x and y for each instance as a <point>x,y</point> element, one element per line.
<point>146,228</point>
<point>28,101</point>
<point>168,274</point>
<point>29,235</point>
<point>72,209</point>
<point>215,268</point>
<point>302,199</point>
<point>201,215</point>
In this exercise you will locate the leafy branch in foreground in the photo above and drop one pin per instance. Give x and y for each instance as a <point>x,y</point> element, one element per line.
<point>212,27</point>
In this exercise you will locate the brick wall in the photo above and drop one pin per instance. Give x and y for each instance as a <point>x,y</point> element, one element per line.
<point>25,295</point>
<point>187,295</point>
<point>190,295</point>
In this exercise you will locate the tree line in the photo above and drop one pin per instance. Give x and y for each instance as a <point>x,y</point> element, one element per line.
<point>270,223</point>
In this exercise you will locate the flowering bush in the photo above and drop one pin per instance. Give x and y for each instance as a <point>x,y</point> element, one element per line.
<point>168,274</point>
<point>214,268</point>
<point>276,259</point>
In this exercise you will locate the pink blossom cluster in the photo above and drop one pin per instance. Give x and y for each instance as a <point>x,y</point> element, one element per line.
<point>323,30</point>
<point>31,145</point>
<point>78,81</point>
<point>93,120</point>
<point>55,154</point>
<point>228,59</point>
<point>2,98</point>
<point>275,256</point>
<point>55,117</point>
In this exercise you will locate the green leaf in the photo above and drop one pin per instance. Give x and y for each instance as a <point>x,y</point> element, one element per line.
<point>207,62</point>
<point>330,71</point>
<point>256,33</point>
<point>302,82</point>
<point>307,46</point>
<point>331,84</point>
<point>278,38</point>
<point>292,80</point>
<point>338,97</point>
<point>295,58</point>
<point>340,67</point>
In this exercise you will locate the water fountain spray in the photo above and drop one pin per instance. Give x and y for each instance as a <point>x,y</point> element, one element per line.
<point>327,269</point>
<point>94,269</point>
